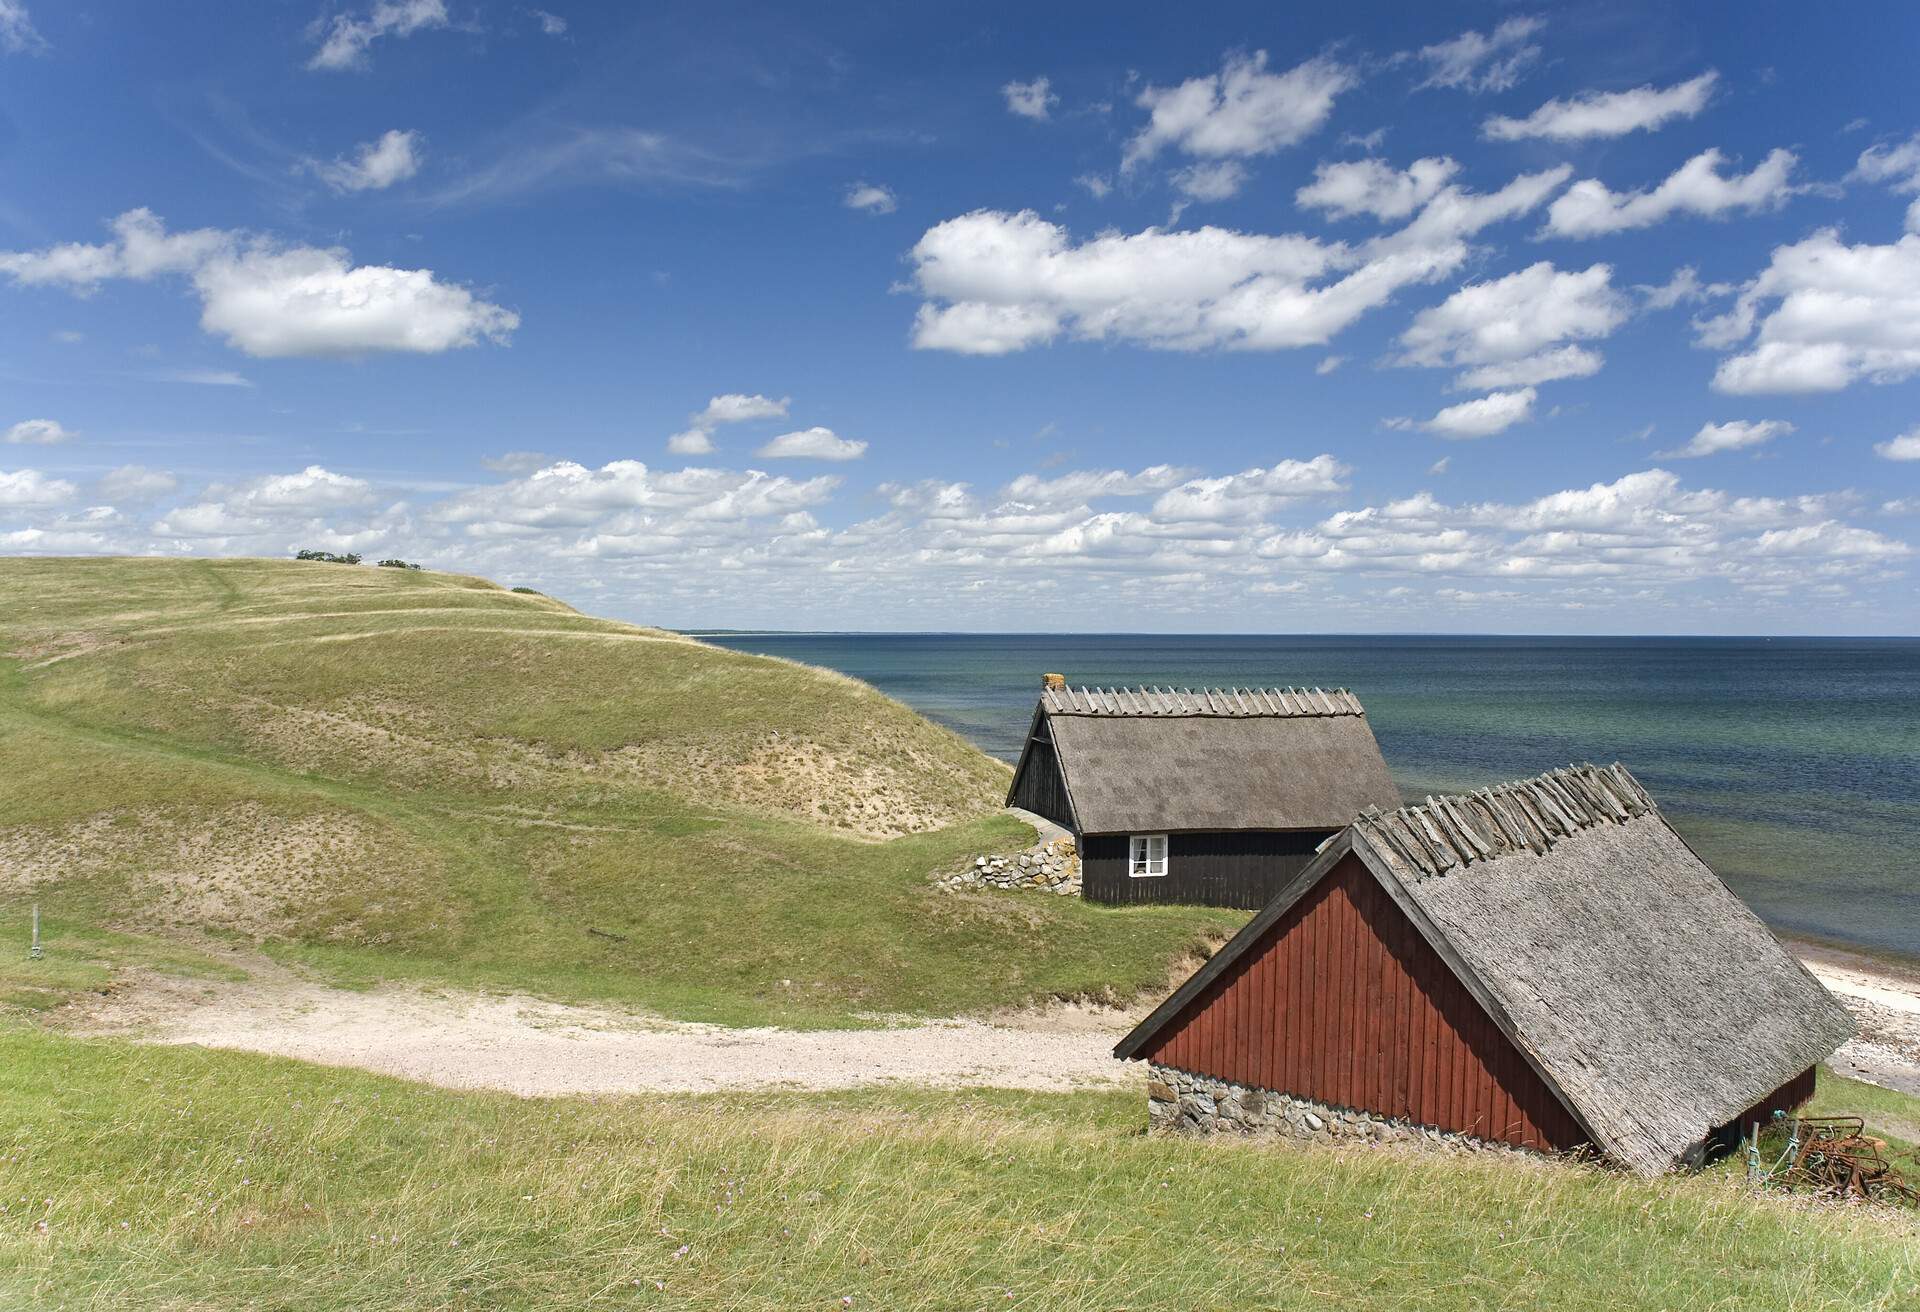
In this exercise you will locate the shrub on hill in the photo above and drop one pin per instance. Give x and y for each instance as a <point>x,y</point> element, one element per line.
<point>348,558</point>
<point>398,564</point>
<point>531,592</point>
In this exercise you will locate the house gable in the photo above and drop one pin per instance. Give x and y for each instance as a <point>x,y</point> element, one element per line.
<point>1338,997</point>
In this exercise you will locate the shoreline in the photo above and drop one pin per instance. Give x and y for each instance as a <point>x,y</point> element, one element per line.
<point>1883,997</point>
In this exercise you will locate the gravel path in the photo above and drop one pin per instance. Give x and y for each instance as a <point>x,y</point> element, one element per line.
<point>527,1046</point>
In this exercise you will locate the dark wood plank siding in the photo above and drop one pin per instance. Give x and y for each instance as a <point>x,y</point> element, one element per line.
<point>1344,1002</point>
<point>1238,869</point>
<point>1041,788</point>
<point>1785,1098</point>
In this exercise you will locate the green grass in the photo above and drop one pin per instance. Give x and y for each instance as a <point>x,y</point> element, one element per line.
<point>385,774</point>
<point>178,1178</point>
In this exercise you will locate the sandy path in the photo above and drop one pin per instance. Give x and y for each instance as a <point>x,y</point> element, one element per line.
<point>527,1046</point>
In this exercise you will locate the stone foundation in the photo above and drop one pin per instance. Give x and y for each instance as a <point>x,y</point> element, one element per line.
<point>1052,867</point>
<point>1181,1103</point>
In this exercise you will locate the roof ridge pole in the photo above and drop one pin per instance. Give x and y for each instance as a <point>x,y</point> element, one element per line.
<point>1416,840</point>
<point>1465,825</point>
<point>1442,847</point>
<point>1435,808</point>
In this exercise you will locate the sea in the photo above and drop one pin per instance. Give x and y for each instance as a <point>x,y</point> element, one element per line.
<point>1792,765</point>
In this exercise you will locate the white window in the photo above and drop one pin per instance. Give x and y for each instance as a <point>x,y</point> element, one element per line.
<point>1147,855</point>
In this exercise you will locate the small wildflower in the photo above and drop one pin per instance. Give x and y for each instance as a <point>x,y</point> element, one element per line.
<point>681,1251</point>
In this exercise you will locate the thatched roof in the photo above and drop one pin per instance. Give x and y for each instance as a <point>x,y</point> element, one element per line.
<point>1139,760</point>
<point>1650,998</point>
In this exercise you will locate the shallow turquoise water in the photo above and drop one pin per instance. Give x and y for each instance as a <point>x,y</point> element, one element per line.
<point>1791,764</point>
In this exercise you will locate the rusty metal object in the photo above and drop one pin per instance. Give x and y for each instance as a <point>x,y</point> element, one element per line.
<point>1833,1156</point>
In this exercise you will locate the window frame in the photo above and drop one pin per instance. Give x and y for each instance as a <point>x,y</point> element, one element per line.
<point>1141,859</point>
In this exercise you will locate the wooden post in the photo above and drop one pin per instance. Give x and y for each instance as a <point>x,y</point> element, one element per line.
<point>35,952</point>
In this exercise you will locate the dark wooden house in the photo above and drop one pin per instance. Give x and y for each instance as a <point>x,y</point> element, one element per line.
<point>1544,964</point>
<point>1217,797</point>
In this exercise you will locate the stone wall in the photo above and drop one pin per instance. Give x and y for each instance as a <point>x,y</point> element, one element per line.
<point>1181,1103</point>
<point>1052,867</point>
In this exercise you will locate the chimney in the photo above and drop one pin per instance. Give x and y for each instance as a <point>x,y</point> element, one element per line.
<point>1053,681</point>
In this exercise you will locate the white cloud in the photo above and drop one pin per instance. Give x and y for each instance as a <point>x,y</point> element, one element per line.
<point>1329,364</point>
<point>38,432</point>
<point>1477,62</point>
<point>1033,99</point>
<point>1096,186</point>
<point>1440,466</point>
<point>394,157</point>
<point>1589,209</point>
<point>1904,447</point>
<point>1484,416</point>
<point>271,300</point>
<point>1215,180</point>
<point>1368,186</point>
<point>870,197</point>
<point>1899,167</point>
<point>1085,484</point>
<point>550,24</point>
<point>739,407</point>
<point>344,41</point>
<point>1684,288</point>
<point>1840,314</point>
<point>1242,110</point>
<point>812,444</point>
<point>134,484</point>
<point>1531,370</point>
<point>200,377</point>
<point>1606,114</point>
<point>996,282</point>
<point>1513,327</point>
<point>1735,435</point>
<point>29,488</point>
<point>1253,493</point>
<point>17,33</point>
<point>691,442</point>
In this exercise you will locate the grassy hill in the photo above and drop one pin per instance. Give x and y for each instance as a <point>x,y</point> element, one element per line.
<point>389,773</point>
<point>175,1178</point>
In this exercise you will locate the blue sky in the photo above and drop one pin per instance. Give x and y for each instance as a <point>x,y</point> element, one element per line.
<point>1589,318</point>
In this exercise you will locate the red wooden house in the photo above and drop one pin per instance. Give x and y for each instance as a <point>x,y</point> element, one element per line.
<point>1545,964</point>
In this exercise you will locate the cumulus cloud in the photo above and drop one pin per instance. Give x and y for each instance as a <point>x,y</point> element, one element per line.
<point>135,484</point>
<point>1096,185</point>
<point>271,300</point>
<point>1510,331</point>
<point>678,545</point>
<point>550,24</point>
<point>1897,165</point>
<point>38,432</point>
<point>1904,447</point>
<point>1606,114</point>
<point>1684,288</point>
<point>996,282</point>
<point>1033,99</point>
<point>17,33</point>
<point>1483,416</point>
<point>691,442</point>
<point>345,40</point>
<point>1215,180</point>
<point>812,444</point>
<point>377,165</point>
<point>1590,209</point>
<point>1839,315</point>
<point>1734,435</point>
<point>740,407</point>
<point>29,488</point>
<point>1243,110</point>
<point>1478,62</point>
<point>871,198</point>
<point>1369,186</point>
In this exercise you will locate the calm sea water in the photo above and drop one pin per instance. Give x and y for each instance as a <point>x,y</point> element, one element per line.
<point>1792,765</point>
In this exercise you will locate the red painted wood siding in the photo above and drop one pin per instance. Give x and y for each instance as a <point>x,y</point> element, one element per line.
<point>1345,1003</point>
<point>1785,1098</point>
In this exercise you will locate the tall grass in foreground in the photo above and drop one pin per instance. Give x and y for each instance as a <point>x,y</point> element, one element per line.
<point>154,1178</point>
